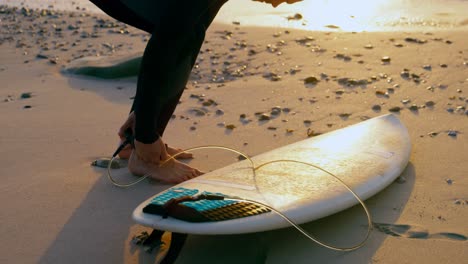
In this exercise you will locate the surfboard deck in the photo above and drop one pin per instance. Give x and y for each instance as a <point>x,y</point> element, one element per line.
<point>367,156</point>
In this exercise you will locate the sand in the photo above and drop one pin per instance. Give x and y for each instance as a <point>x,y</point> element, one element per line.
<point>56,208</point>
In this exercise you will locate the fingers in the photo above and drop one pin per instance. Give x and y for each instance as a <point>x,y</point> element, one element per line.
<point>129,123</point>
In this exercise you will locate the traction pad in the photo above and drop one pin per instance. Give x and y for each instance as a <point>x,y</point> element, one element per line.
<point>202,210</point>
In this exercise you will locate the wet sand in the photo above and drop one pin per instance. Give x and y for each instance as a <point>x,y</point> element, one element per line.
<point>57,208</point>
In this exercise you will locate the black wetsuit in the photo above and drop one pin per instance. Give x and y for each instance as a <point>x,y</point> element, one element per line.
<point>177,33</point>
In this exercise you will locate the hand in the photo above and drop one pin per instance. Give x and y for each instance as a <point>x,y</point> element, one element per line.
<point>276,3</point>
<point>129,123</point>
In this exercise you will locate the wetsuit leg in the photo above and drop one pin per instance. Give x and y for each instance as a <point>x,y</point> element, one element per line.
<point>168,58</point>
<point>167,63</point>
<point>121,12</point>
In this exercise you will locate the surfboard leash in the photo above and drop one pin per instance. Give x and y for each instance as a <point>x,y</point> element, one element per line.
<point>129,140</point>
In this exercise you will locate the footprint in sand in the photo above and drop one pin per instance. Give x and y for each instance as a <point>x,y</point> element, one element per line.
<point>409,231</point>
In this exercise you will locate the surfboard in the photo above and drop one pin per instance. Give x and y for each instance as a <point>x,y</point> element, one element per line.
<point>367,156</point>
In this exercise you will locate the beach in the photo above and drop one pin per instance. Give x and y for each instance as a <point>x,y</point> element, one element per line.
<point>57,208</point>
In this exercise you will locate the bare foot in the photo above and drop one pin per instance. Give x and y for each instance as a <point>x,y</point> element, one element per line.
<point>127,151</point>
<point>148,159</point>
<point>172,171</point>
<point>173,151</point>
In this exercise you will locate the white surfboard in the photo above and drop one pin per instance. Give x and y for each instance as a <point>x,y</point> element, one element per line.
<point>367,156</point>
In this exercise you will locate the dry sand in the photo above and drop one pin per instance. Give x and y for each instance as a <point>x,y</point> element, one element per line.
<point>56,208</point>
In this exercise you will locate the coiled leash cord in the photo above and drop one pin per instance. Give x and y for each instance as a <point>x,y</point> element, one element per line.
<point>215,197</point>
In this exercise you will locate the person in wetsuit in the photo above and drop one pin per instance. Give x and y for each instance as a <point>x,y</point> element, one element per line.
<point>177,29</point>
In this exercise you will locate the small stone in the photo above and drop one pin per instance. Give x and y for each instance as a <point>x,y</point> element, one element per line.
<point>264,117</point>
<point>430,103</point>
<point>219,112</point>
<point>344,115</point>
<point>209,102</point>
<point>369,46</point>
<point>286,109</point>
<point>289,131</point>
<point>340,92</point>
<point>381,93</point>
<point>415,40</point>
<point>443,65</point>
<point>241,157</point>
<point>452,133</point>
<point>386,59</point>
<point>25,95</point>
<point>449,181</point>
<point>405,101</point>
<point>312,80</point>
<point>42,56</point>
<point>413,107</point>
<point>433,134</point>
<point>230,126</point>
<point>104,163</point>
<point>307,122</point>
<point>395,109</point>
<point>192,128</point>
<point>27,106</point>
<point>427,67</point>
<point>376,108</point>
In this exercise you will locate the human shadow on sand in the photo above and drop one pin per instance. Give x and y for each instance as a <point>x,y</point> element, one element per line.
<point>101,228</point>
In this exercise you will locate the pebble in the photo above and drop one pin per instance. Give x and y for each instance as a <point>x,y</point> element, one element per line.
<point>449,181</point>
<point>27,106</point>
<point>342,57</point>
<point>452,133</point>
<point>427,67</point>
<point>415,40</point>
<point>369,46</point>
<point>429,103</point>
<point>275,111</point>
<point>230,126</point>
<point>311,80</point>
<point>386,59</point>
<point>264,117</point>
<point>376,108</point>
<point>219,112</point>
<point>272,76</point>
<point>104,163</point>
<point>413,107</point>
<point>25,95</point>
<point>296,16</point>
<point>395,109</point>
